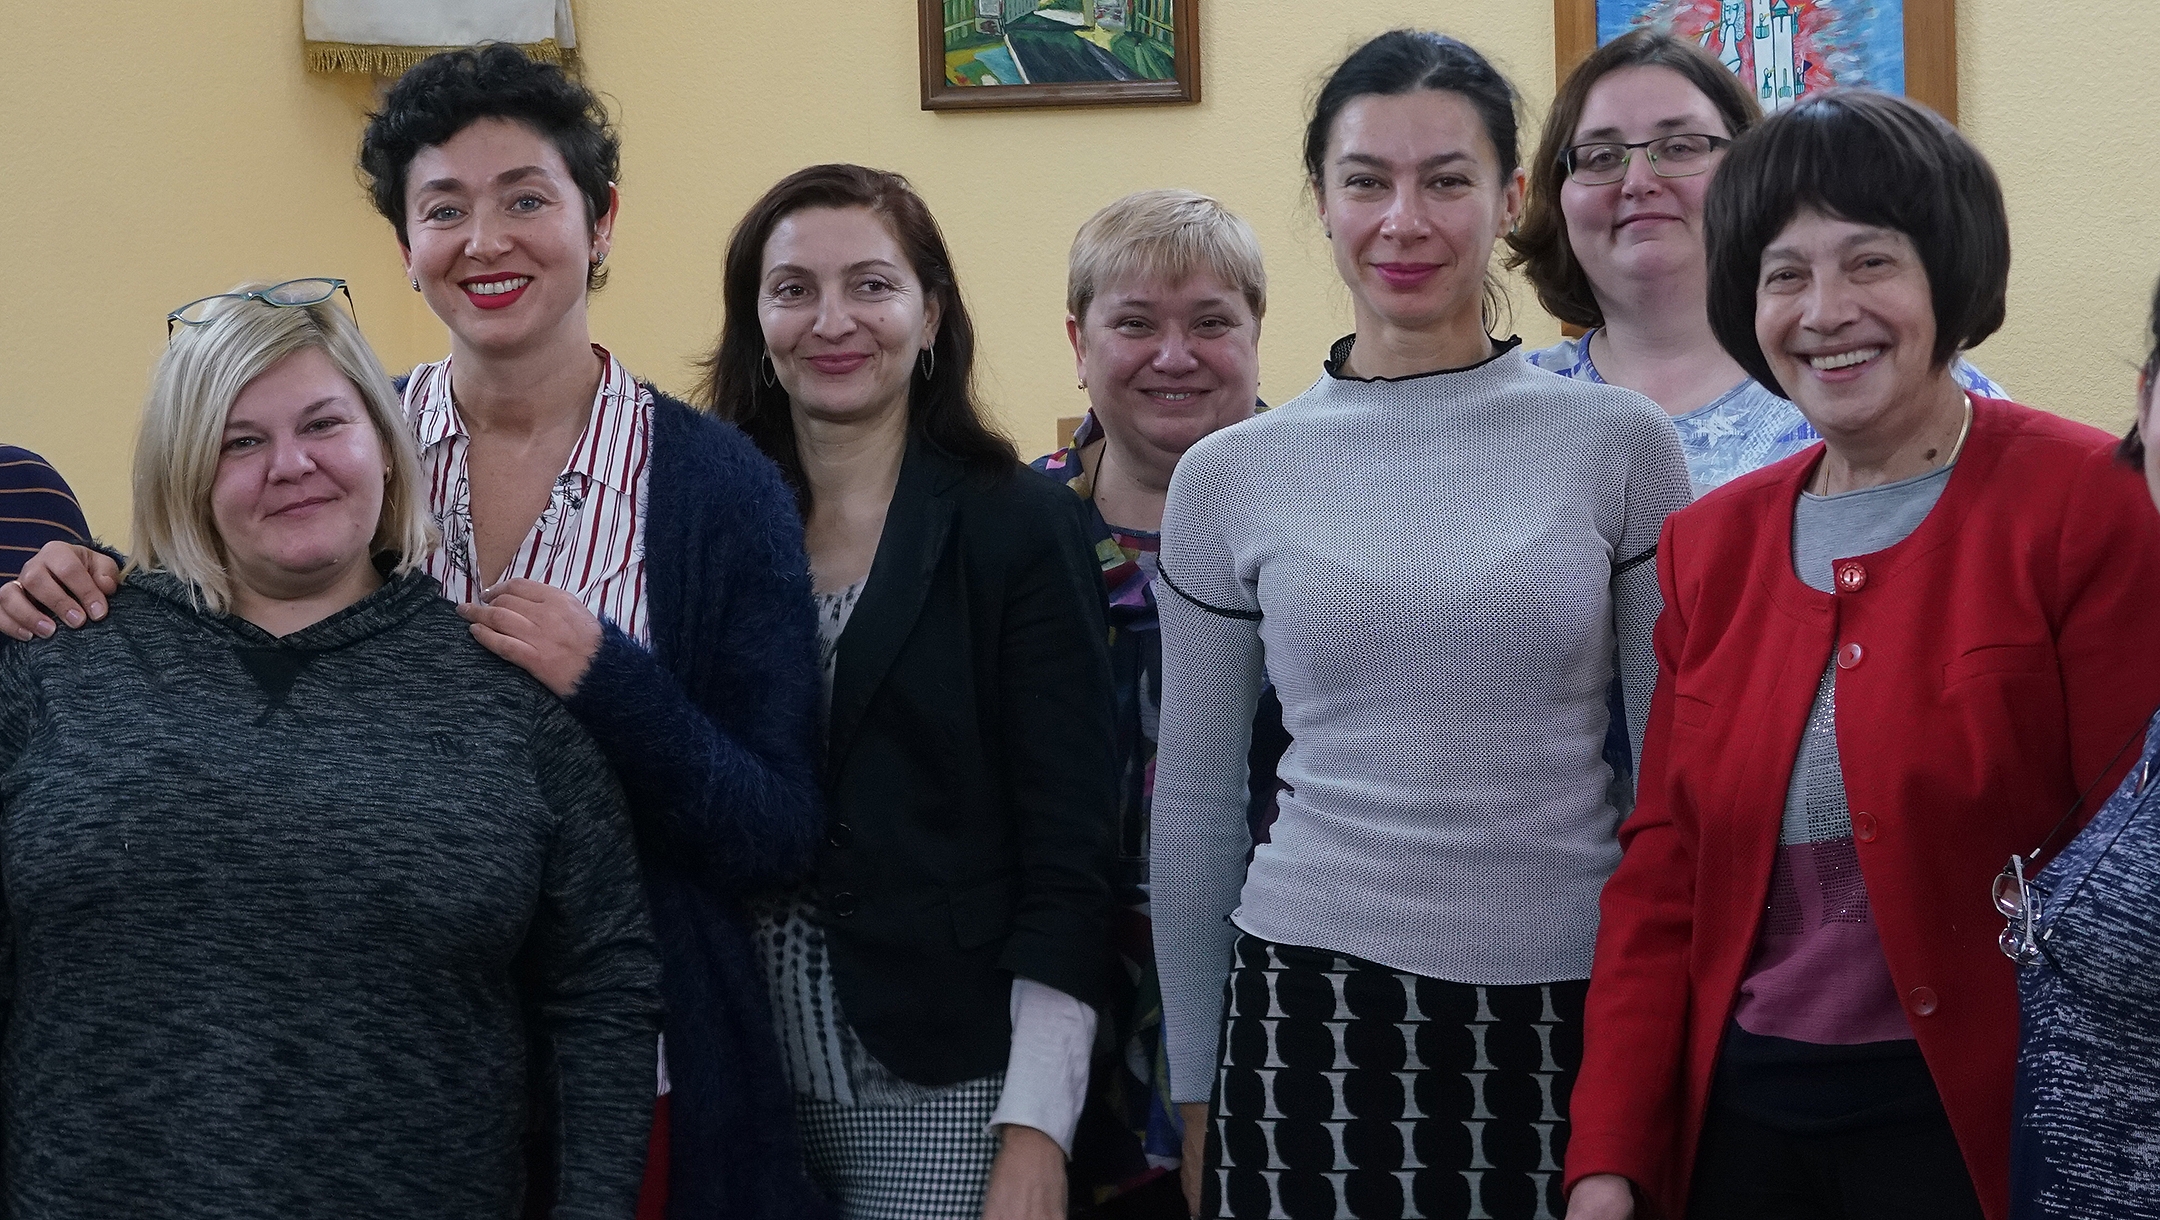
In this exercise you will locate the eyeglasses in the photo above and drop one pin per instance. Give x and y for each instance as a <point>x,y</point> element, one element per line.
<point>290,294</point>
<point>1676,156</point>
<point>2022,900</point>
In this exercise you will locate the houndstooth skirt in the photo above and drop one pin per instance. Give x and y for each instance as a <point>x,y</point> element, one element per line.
<point>926,1161</point>
<point>1348,1089</point>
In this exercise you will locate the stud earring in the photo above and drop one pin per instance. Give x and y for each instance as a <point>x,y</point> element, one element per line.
<point>416,283</point>
<point>1083,383</point>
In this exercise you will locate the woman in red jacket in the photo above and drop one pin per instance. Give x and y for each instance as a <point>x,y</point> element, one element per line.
<point>1885,664</point>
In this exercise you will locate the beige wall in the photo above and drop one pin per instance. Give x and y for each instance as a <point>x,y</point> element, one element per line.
<point>152,152</point>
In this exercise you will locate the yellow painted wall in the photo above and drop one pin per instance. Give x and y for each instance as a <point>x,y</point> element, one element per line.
<point>152,152</point>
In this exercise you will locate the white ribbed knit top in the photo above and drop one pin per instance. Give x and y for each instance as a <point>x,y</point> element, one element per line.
<point>1436,572</point>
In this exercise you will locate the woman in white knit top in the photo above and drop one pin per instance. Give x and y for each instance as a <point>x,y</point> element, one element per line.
<point>1436,553</point>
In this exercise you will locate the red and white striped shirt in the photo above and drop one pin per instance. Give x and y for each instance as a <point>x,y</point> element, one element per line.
<point>590,539</point>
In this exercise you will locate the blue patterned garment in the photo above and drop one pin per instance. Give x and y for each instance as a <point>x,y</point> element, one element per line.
<point>1745,429</point>
<point>2084,1142</point>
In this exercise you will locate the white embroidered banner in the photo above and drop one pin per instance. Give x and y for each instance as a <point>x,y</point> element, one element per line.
<point>385,37</point>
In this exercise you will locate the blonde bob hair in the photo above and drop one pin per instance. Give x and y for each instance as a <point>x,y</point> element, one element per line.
<point>1168,236</point>
<point>203,370</point>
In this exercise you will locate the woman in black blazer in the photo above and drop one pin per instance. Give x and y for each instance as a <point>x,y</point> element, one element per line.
<point>932,984</point>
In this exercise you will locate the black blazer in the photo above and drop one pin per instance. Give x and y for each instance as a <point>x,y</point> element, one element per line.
<point>968,771</point>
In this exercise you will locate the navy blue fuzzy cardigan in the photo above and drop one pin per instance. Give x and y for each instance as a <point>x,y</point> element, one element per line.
<point>712,733</point>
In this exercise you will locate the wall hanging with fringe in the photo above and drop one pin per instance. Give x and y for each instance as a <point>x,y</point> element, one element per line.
<point>385,37</point>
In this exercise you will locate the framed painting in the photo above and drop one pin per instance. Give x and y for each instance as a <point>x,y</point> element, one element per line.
<point>1787,49</point>
<point>993,54</point>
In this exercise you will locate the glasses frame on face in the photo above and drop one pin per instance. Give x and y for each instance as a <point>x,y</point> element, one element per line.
<point>1571,157</point>
<point>268,296</point>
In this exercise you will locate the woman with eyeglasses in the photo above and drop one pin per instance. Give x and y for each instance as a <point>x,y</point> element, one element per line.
<point>1436,554</point>
<point>2086,936</point>
<point>639,558</point>
<point>1885,663</point>
<point>310,901</point>
<point>1612,239</point>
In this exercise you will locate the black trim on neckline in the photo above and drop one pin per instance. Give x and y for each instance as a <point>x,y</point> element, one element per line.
<point>1339,354</point>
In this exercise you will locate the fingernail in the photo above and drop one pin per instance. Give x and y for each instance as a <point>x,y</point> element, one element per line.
<point>74,618</point>
<point>44,627</point>
<point>97,609</point>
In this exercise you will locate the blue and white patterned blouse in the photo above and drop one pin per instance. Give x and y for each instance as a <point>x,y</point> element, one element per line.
<point>2086,1137</point>
<point>1744,429</point>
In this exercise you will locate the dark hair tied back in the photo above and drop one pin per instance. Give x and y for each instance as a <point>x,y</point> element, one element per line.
<point>2132,450</point>
<point>1869,158</point>
<point>444,94</point>
<point>1403,61</point>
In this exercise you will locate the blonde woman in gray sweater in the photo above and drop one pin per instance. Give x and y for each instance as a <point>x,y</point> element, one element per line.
<point>1437,553</point>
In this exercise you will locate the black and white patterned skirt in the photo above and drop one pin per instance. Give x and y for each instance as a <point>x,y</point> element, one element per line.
<point>1348,1089</point>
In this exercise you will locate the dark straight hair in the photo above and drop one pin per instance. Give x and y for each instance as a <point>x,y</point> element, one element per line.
<point>1539,246</point>
<point>942,407</point>
<point>1869,158</point>
<point>2132,449</point>
<point>1404,61</point>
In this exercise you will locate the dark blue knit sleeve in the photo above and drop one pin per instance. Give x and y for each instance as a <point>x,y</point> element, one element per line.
<point>713,732</point>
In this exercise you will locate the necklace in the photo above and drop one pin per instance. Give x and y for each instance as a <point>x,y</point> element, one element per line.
<point>1822,469</point>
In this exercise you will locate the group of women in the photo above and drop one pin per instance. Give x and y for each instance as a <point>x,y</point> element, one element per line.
<point>1403,802</point>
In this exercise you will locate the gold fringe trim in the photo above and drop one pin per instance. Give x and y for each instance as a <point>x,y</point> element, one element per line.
<point>392,62</point>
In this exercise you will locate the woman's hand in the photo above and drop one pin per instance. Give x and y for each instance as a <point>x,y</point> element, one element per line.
<point>1601,1196</point>
<point>538,628</point>
<point>1193,1114</point>
<point>1027,1180</point>
<point>62,583</point>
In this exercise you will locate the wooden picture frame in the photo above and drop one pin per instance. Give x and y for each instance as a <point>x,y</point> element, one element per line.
<point>1930,29</point>
<point>1105,38</point>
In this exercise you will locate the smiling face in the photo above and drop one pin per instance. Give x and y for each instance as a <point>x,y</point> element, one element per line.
<point>844,316</point>
<point>1413,199</point>
<point>1166,364</point>
<point>299,489</point>
<point>500,240</point>
<point>1844,316</point>
<point>1642,227</point>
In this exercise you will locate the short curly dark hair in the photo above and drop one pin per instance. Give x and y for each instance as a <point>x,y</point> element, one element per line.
<point>444,94</point>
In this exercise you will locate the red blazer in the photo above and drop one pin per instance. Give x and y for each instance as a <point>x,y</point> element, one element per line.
<point>2003,661</point>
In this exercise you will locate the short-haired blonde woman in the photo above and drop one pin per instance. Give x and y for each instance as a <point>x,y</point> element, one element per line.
<point>295,871</point>
<point>1164,298</point>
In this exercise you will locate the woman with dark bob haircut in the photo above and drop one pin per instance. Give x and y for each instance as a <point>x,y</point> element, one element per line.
<point>2085,934</point>
<point>1440,557</point>
<point>640,559</point>
<point>1886,663</point>
<point>933,984</point>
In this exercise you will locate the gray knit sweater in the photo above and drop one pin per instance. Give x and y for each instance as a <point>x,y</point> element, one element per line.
<point>286,920</point>
<point>1435,572</point>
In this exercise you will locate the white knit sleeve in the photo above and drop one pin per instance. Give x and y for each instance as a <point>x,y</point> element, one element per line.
<point>1212,678</point>
<point>1656,487</point>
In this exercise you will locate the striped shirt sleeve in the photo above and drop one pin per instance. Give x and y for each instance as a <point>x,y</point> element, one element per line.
<point>36,507</point>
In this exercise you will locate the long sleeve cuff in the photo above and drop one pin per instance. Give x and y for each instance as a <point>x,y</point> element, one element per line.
<point>1046,1077</point>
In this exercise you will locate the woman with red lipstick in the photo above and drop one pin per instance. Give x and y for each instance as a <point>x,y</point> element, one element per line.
<point>1886,664</point>
<point>1432,553</point>
<point>640,559</point>
<point>933,984</point>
